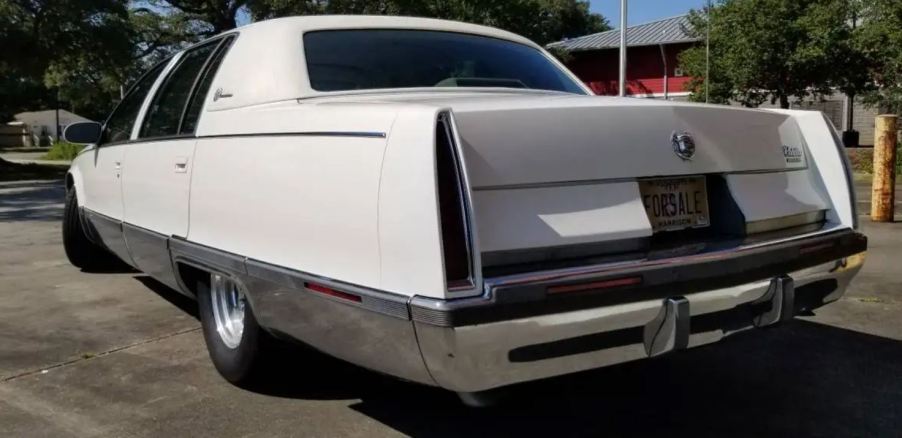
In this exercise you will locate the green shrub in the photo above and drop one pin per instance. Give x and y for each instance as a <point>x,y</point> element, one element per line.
<point>862,160</point>
<point>63,151</point>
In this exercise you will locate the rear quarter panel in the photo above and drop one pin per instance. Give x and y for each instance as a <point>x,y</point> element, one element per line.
<point>291,194</point>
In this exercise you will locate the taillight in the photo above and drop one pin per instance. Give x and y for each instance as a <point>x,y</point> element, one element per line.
<point>596,285</point>
<point>314,287</point>
<point>452,208</point>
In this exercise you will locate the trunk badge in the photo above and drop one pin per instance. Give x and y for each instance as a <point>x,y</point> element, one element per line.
<point>683,145</point>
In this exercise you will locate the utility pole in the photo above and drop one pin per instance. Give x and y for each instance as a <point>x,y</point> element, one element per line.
<point>622,83</point>
<point>56,130</point>
<point>707,52</point>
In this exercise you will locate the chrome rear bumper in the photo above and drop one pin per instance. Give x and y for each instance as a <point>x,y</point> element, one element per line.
<point>484,356</point>
<point>521,331</point>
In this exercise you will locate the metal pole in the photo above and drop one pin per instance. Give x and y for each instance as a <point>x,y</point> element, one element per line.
<point>621,86</point>
<point>707,51</point>
<point>56,130</point>
<point>664,60</point>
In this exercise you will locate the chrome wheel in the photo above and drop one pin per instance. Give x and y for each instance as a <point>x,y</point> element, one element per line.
<point>228,303</point>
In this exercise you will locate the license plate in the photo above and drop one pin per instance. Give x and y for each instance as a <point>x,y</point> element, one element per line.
<point>675,203</point>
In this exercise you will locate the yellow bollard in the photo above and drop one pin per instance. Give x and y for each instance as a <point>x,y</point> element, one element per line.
<point>883,191</point>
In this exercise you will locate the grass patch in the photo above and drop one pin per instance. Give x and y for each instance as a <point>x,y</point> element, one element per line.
<point>22,172</point>
<point>63,151</point>
<point>862,160</point>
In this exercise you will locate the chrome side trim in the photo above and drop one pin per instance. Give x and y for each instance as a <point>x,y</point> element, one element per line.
<point>150,252</point>
<point>361,134</point>
<point>592,182</point>
<point>208,258</point>
<point>373,300</point>
<point>375,333</point>
<point>373,340</point>
<point>183,250</point>
<point>110,232</point>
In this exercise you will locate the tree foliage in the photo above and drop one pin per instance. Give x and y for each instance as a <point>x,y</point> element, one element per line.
<point>880,42</point>
<point>543,21</point>
<point>774,50</point>
<point>79,52</point>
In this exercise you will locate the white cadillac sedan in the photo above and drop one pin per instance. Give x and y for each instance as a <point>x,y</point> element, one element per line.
<point>446,203</point>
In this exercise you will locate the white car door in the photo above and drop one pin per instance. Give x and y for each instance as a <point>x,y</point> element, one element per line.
<point>156,183</point>
<point>102,197</point>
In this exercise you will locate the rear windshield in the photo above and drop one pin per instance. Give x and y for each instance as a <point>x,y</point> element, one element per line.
<point>340,60</point>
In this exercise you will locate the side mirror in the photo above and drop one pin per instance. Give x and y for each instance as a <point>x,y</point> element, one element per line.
<point>83,132</point>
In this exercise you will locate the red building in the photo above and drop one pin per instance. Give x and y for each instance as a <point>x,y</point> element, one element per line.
<point>652,68</point>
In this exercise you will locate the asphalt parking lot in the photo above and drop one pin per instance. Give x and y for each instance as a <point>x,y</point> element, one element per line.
<point>118,354</point>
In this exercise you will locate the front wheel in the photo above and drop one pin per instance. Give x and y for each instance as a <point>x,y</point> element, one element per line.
<point>80,250</point>
<point>236,343</point>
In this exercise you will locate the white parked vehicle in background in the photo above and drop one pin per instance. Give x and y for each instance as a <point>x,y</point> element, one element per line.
<point>446,203</point>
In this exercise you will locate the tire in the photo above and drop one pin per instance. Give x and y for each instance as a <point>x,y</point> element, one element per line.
<point>237,357</point>
<point>80,250</point>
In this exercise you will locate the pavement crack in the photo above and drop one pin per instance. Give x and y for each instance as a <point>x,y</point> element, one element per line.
<point>85,357</point>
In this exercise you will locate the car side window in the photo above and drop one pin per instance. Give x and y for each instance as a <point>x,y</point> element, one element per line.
<point>196,104</point>
<point>165,113</point>
<point>118,127</point>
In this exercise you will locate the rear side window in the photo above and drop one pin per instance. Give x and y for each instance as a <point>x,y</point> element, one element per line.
<point>119,125</point>
<point>165,113</point>
<point>203,87</point>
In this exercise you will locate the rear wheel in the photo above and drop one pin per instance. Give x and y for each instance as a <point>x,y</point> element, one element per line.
<point>236,343</point>
<point>80,250</point>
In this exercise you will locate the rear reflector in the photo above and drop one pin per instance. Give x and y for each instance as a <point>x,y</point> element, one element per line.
<point>332,292</point>
<point>815,248</point>
<point>605,284</point>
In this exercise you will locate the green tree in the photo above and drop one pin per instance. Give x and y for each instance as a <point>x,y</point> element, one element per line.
<point>80,52</point>
<point>773,50</point>
<point>206,17</point>
<point>880,40</point>
<point>543,21</point>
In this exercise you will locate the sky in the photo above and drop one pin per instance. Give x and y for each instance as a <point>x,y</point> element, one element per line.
<point>643,11</point>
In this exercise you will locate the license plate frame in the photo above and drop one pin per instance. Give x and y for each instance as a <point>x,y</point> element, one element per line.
<point>675,203</point>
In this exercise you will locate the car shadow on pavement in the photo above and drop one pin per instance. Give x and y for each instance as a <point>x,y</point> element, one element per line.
<point>800,379</point>
<point>31,201</point>
<point>185,304</point>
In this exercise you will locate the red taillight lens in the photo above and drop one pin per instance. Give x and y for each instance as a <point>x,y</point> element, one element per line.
<point>332,292</point>
<point>458,266</point>
<point>595,285</point>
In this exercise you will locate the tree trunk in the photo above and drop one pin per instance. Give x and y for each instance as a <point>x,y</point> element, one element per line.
<point>784,101</point>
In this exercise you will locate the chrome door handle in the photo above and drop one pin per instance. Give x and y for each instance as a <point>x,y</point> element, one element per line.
<point>181,164</point>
